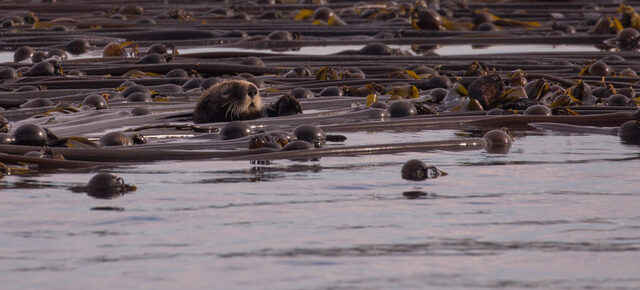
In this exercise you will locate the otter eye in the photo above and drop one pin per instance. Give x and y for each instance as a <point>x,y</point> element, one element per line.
<point>253,91</point>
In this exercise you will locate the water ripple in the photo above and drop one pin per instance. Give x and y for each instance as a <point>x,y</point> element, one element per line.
<point>465,247</point>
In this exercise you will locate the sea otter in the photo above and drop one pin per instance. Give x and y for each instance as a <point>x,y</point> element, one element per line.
<point>228,101</point>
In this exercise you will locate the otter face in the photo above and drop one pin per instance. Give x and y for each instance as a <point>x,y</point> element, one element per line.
<point>228,101</point>
<point>241,98</point>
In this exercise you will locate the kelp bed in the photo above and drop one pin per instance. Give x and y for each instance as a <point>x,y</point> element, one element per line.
<point>108,46</point>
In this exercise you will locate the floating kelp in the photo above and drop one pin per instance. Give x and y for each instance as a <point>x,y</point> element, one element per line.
<point>417,170</point>
<point>498,141</point>
<point>140,83</point>
<point>105,186</point>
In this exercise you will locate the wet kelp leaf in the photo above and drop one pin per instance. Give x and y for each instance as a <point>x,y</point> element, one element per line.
<point>584,71</point>
<point>62,110</point>
<point>460,89</point>
<point>563,111</point>
<point>630,17</point>
<point>427,19</point>
<point>561,101</point>
<point>48,24</point>
<point>371,99</point>
<point>405,74</point>
<point>474,105</point>
<point>405,92</point>
<point>456,25</point>
<point>508,22</point>
<point>10,170</point>
<point>333,20</point>
<point>5,125</point>
<point>618,26</point>
<point>537,88</point>
<point>118,49</point>
<point>326,73</point>
<point>74,142</point>
<point>517,78</point>
<point>465,104</point>
<point>42,25</point>
<point>65,109</point>
<point>31,18</point>
<point>423,108</point>
<point>606,25</point>
<point>511,22</point>
<point>580,94</point>
<point>477,68</point>
<point>510,95</point>
<point>138,74</point>
<point>364,91</point>
<point>304,14</point>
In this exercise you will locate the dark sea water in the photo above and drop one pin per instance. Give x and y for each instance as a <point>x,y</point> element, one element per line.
<point>559,211</point>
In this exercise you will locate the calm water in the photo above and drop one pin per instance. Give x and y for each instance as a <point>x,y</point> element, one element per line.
<point>558,212</point>
<point>7,56</point>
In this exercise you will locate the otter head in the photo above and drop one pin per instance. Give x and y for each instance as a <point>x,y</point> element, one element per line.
<point>241,99</point>
<point>228,101</point>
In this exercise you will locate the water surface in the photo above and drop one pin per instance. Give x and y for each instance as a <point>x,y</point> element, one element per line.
<point>445,50</point>
<point>558,212</point>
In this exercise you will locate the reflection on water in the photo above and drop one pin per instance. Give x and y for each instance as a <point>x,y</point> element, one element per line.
<point>413,194</point>
<point>521,48</point>
<point>108,208</point>
<point>556,211</point>
<point>444,50</point>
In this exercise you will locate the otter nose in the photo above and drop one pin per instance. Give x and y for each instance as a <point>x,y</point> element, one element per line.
<point>253,91</point>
